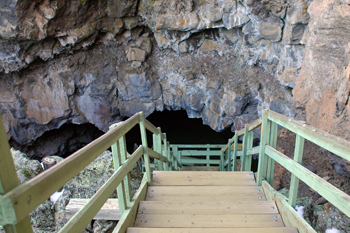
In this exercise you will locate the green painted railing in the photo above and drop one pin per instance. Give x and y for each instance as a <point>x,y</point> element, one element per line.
<point>18,200</point>
<point>268,155</point>
<point>205,154</point>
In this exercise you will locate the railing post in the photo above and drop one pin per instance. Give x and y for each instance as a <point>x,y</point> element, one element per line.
<point>235,141</point>
<point>270,162</point>
<point>158,148</point>
<point>221,166</point>
<point>244,148</point>
<point>124,157</point>
<point>165,152</point>
<point>117,162</point>
<point>145,147</point>
<point>208,156</point>
<point>169,156</point>
<point>248,163</point>
<point>298,157</point>
<point>229,165</point>
<point>8,181</point>
<point>264,140</point>
<point>176,154</point>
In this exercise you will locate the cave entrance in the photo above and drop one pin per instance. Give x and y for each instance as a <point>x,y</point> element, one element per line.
<point>179,130</point>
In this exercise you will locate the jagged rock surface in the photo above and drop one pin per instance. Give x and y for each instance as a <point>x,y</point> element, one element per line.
<point>97,62</point>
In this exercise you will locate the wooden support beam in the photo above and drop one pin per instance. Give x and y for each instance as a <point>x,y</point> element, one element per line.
<point>244,148</point>
<point>235,147</point>
<point>109,211</point>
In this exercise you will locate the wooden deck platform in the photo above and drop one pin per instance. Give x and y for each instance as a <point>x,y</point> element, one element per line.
<point>210,201</point>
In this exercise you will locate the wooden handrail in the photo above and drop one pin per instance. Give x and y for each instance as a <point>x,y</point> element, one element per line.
<point>22,199</point>
<point>27,196</point>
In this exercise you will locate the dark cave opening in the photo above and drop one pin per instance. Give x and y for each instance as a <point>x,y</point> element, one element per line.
<point>179,130</point>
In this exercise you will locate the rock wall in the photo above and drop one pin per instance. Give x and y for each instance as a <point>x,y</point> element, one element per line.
<point>99,61</point>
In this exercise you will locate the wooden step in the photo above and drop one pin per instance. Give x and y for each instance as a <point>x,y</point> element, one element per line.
<point>205,193</point>
<point>213,230</point>
<point>207,208</point>
<point>202,178</point>
<point>199,221</point>
<point>199,168</point>
<point>204,190</point>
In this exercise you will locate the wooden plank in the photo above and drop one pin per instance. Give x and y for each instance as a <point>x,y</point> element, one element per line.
<point>128,218</point>
<point>325,140</point>
<point>81,219</point>
<point>202,198</point>
<point>290,217</point>
<point>204,190</point>
<point>185,160</point>
<point>200,152</point>
<point>335,196</point>
<point>205,208</point>
<point>43,185</point>
<point>203,178</point>
<point>198,146</point>
<point>198,168</point>
<point>219,221</point>
<point>229,156</point>
<point>250,138</point>
<point>298,157</point>
<point>213,230</point>
<point>109,211</point>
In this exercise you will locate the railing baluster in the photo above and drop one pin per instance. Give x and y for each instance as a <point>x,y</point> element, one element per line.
<point>229,165</point>
<point>248,163</point>
<point>298,157</point>
<point>145,146</point>
<point>159,148</point>
<point>244,148</point>
<point>221,165</point>
<point>156,162</point>
<point>169,155</point>
<point>165,152</point>
<point>270,161</point>
<point>208,156</point>
<point>121,188</point>
<point>176,154</point>
<point>264,140</point>
<point>124,157</point>
<point>235,141</point>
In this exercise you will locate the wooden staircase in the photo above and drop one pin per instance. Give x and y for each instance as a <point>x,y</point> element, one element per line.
<point>206,201</point>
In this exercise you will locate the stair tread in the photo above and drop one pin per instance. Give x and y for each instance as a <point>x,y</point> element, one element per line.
<point>220,221</point>
<point>202,178</point>
<point>210,208</point>
<point>205,193</point>
<point>213,230</point>
<point>199,168</point>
